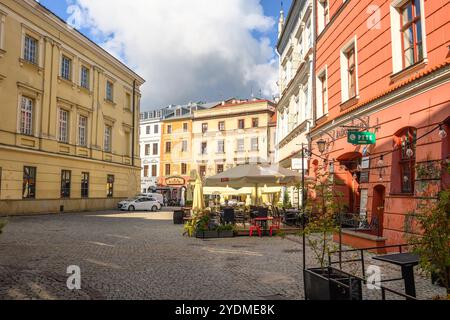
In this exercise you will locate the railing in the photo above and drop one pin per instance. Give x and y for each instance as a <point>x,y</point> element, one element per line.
<point>362,261</point>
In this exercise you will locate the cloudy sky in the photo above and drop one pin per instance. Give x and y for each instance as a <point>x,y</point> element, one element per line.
<point>196,50</point>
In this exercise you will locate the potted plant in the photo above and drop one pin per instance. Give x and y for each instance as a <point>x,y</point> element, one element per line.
<point>226,231</point>
<point>325,282</point>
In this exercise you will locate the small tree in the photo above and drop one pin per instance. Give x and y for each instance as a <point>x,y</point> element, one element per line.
<point>428,232</point>
<point>287,200</point>
<point>324,205</point>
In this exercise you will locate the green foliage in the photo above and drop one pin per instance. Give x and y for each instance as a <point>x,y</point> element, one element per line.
<point>189,203</point>
<point>287,200</point>
<point>2,225</point>
<point>429,234</point>
<point>202,223</point>
<point>323,209</point>
<point>226,227</point>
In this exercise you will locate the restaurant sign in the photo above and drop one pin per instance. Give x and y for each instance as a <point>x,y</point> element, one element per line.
<point>361,138</point>
<point>175,181</point>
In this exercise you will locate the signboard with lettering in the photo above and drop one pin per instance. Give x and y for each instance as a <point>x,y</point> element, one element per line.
<point>175,181</point>
<point>297,164</point>
<point>361,138</point>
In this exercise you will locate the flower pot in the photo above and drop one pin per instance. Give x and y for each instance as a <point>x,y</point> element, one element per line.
<point>331,284</point>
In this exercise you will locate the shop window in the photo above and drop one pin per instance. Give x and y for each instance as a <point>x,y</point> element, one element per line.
<point>110,186</point>
<point>404,161</point>
<point>85,185</point>
<point>66,177</point>
<point>29,183</point>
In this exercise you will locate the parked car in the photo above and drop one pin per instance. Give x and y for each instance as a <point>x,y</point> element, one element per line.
<point>157,196</point>
<point>121,204</point>
<point>142,204</point>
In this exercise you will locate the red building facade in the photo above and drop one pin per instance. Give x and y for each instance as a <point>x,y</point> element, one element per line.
<point>383,66</point>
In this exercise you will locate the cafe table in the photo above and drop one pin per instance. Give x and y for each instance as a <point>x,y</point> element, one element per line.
<point>263,221</point>
<point>407,261</point>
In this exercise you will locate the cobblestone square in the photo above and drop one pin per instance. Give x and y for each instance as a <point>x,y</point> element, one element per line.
<point>145,256</point>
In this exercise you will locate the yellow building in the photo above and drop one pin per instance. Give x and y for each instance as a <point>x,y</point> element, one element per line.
<point>70,117</point>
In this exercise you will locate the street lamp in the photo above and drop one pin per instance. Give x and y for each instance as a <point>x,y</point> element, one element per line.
<point>442,132</point>
<point>322,145</point>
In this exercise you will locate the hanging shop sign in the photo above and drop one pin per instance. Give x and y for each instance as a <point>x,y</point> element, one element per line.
<point>175,181</point>
<point>361,138</point>
<point>297,164</point>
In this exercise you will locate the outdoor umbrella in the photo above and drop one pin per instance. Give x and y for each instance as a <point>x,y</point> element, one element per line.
<point>255,175</point>
<point>198,202</point>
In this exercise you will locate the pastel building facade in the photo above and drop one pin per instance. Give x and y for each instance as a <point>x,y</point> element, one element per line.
<point>383,67</point>
<point>70,114</point>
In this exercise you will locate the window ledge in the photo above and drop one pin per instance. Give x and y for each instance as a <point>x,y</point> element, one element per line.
<point>2,53</point>
<point>112,103</point>
<point>127,110</point>
<point>24,62</point>
<point>322,119</point>
<point>68,82</point>
<point>408,71</point>
<point>85,90</point>
<point>405,195</point>
<point>349,103</point>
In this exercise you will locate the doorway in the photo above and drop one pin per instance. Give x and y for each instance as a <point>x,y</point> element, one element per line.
<point>378,208</point>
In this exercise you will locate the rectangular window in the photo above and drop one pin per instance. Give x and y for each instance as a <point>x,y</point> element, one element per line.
<point>222,126</point>
<point>147,149</point>
<point>30,52</point>
<point>185,127</point>
<point>63,126</point>
<point>145,171</point>
<point>168,147</point>
<point>183,168</point>
<point>85,185</point>
<point>219,168</point>
<point>241,124</point>
<point>240,145</point>
<point>154,170</point>
<point>184,146</point>
<point>26,116</point>
<point>84,81</point>
<point>255,144</point>
<point>169,129</point>
<point>147,130</point>
<point>66,177</point>
<point>108,138</point>
<point>411,28</point>
<point>109,91</point>
<point>110,186</point>
<point>351,72</point>
<point>202,171</point>
<point>204,148</point>
<point>82,131</point>
<point>128,101</point>
<point>221,147</point>
<point>204,127</point>
<point>29,183</point>
<point>156,129</point>
<point>323,95</point>
<point>66,68</point>
<point>155,149</point>
<point>167,169</point>
<point>255,123</point>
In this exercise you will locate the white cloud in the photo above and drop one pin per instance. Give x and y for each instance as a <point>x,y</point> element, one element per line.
<point>186,50</point>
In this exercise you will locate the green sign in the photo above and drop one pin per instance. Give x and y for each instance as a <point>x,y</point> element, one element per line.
<point>361,138</point>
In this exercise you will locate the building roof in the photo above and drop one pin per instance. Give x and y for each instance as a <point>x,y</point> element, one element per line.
<point>238,102</point>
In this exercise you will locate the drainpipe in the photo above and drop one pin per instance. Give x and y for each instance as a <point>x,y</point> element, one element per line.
<point>314,82</point>
<point>133,139</point>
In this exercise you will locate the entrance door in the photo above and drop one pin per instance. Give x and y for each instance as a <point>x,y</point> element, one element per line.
<point>378,207</point>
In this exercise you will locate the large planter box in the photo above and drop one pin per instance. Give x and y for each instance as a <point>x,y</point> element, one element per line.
<point>178,217</point>
<point>214,234</point>
<point>318,285</point>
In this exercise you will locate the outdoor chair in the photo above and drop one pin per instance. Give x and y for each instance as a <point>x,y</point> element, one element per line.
<point>228,216</point>
<point>263,212</point>
<point>373,228</point>
<point>255,227</point>
<point>276,225</point>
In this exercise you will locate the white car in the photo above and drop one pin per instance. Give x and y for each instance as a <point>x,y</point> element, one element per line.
<point>123,203</point>
<point>157,196</point>
<point>142,204</point>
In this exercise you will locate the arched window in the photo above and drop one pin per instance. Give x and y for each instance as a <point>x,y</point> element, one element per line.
<point>404,161</point>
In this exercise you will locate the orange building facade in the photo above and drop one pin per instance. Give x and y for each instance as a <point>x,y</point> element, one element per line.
<point>383,67</point>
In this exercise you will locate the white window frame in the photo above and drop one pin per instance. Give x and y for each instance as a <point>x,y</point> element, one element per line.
<point>107,141</point>
<point>85,83</point>
<point>240,145</point>
<point>323,73</point>
<point>26,119</point>
<point>255,144</point>
<point>2,30</point>
<point>345,95</point>
<point>66,68</point>
<point>320,15</point>
<point>221,146</point>
<point>63,125</point>
<point>396,34</point>
<point>184,146</point>
<point>83,130</point>
<point>109,97</point>
<point>27,51</point>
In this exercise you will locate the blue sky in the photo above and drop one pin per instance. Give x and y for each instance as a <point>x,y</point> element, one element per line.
<point>228,53</point>
<point>271,8</point>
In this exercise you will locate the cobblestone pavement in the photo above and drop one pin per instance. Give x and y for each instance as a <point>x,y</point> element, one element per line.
<point>144,256</point>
